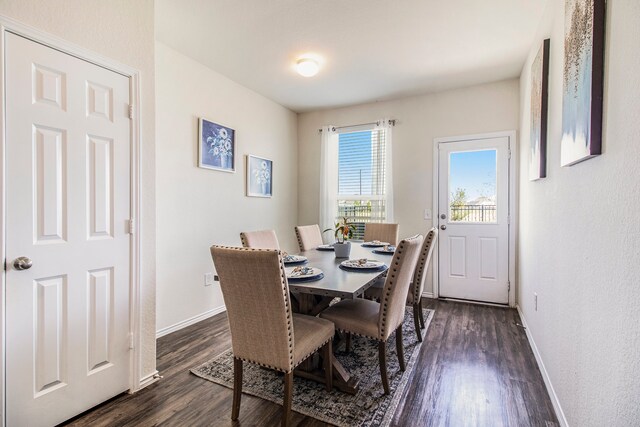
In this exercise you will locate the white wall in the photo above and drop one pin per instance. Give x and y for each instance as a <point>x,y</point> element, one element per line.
<point>196,207</point>
<point>124,31</point>
<point>420,119</point>
<point>580,237</point>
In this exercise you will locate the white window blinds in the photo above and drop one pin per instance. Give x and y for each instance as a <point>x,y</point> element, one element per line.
<point>362,185</point>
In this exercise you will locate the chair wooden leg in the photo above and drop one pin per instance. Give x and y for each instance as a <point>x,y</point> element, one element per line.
<point>288,395</point>
<point>382,356</point>
<point>416,321</point>
<point>237,388</point>
<point>420,313</point>
<point>400,347</point>
<point>328,366</point>
<point>348,343</point>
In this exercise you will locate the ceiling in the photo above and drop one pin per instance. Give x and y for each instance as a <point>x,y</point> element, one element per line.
<point>373,49</point>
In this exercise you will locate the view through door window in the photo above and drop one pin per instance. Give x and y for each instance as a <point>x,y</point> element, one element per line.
<point>472,186</point>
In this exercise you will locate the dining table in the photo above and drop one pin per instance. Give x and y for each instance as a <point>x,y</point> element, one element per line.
<point>312,297</point>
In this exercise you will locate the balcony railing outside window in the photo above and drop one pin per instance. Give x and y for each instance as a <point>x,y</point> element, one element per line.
<point>358,213</point>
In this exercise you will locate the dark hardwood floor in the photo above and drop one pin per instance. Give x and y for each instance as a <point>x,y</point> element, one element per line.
<point>475,368</point>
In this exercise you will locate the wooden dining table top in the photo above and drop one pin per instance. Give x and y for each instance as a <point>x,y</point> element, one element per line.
<point>336,281</point>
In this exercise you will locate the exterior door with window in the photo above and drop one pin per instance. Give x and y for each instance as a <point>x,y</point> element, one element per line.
<point>473,215</point>
<point>67,243</point>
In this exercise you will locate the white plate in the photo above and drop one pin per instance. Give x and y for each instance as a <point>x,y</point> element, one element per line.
<point>386,251</point>
<point>375,244</point>
<point>292,272</point>
<point>369,265</point>
<point>325,248</point>
<point>292,259</point>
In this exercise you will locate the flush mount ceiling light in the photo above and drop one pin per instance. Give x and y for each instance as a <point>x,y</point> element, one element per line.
<point>307,67</point>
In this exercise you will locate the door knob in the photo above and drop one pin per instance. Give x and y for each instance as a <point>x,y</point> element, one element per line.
<point>22,263</point>
<point>443,227</point>
<point>443,216</point>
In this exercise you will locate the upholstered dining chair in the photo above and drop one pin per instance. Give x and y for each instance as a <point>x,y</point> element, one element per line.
<point>414,297</point>
<point>263,329</point>
<point>378,320</point>
<point>309,237</point>
<point>264,239</point>
<point>383,232</point>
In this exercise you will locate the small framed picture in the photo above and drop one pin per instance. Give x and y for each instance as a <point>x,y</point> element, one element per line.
<point>259,176</point>
<point>216,147</point>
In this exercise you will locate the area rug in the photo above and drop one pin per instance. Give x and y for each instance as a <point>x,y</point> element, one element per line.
<point>369,407</point>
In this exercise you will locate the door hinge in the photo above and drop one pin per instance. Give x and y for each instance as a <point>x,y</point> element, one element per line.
<point>131,111</point>
<point>132,226</point>
<point>508,285</point>
<point>508,219</point>
<point>131,346</point>
<point>509,152</point>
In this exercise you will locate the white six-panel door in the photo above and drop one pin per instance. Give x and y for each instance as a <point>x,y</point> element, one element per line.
<point>67,207</point>
<point>473,248</point>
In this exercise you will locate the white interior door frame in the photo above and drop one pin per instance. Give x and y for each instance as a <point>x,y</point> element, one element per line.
<point>513,214</point>
<point>15,27</point>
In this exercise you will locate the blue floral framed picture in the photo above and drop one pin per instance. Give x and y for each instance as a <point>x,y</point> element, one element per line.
<point>259,176</point>
<point>216,147</point>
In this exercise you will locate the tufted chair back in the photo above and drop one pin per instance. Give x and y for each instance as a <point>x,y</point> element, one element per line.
<point>309,237</point>
<point>396,287</point>
<point>383,232</point>
<point>256,295</point>
<point>265,239</point>
<point>422,266</point>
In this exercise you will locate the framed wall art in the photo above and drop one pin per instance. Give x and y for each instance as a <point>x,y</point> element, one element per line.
<point>539,107</point>
<point>583,77</point>
<point>216,146</point>
<point>259,177</point>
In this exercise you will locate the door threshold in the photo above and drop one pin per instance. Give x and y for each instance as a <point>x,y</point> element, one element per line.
<point>471,301</point>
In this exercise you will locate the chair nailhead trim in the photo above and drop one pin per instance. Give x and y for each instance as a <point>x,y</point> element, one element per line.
<point>299,237</point>
<point>391,281</point>
<point>285,294</point>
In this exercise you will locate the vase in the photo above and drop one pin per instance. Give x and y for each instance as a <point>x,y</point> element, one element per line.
<point>224,162</point>
<point>342,250</point>
<point>263,187</point>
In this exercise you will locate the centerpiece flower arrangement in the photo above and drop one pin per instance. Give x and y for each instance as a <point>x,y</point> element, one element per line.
<point>220,146</point>
<point>343,231</point>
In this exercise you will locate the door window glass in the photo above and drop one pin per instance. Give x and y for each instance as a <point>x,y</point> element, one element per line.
<point>472,186</point>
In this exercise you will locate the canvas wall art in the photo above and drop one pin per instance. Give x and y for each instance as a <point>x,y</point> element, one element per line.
<point>539,107</point>
<point>259,176</point>
<point>217,146</point>
<point>582,80</point>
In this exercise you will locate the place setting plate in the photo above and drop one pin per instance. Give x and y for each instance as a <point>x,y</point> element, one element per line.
<point>375,244</point>
<point>385,250</point>
<point>325,248</point>
<point>303,274</point>
<point>294,259</point>
<point>364,265</point>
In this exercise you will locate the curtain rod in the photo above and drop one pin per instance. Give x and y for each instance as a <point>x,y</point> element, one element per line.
<point>377,123</point>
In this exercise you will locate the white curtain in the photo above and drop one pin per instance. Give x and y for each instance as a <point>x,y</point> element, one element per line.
<point>385,124</point>
<point>328,180</point>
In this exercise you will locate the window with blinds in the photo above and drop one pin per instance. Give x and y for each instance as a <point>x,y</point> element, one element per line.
<point>361,178</point>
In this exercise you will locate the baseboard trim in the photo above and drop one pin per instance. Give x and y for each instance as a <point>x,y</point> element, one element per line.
<point>545,375</point>
<point>190,321</point>
<point>428,295</point>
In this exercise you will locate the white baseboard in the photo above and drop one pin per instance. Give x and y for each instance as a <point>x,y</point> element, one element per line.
<point>545,375</point>
<point>428,295</point>
<point>190,321</point>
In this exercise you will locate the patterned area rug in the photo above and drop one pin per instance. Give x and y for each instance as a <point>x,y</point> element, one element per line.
<point>369,407</point>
